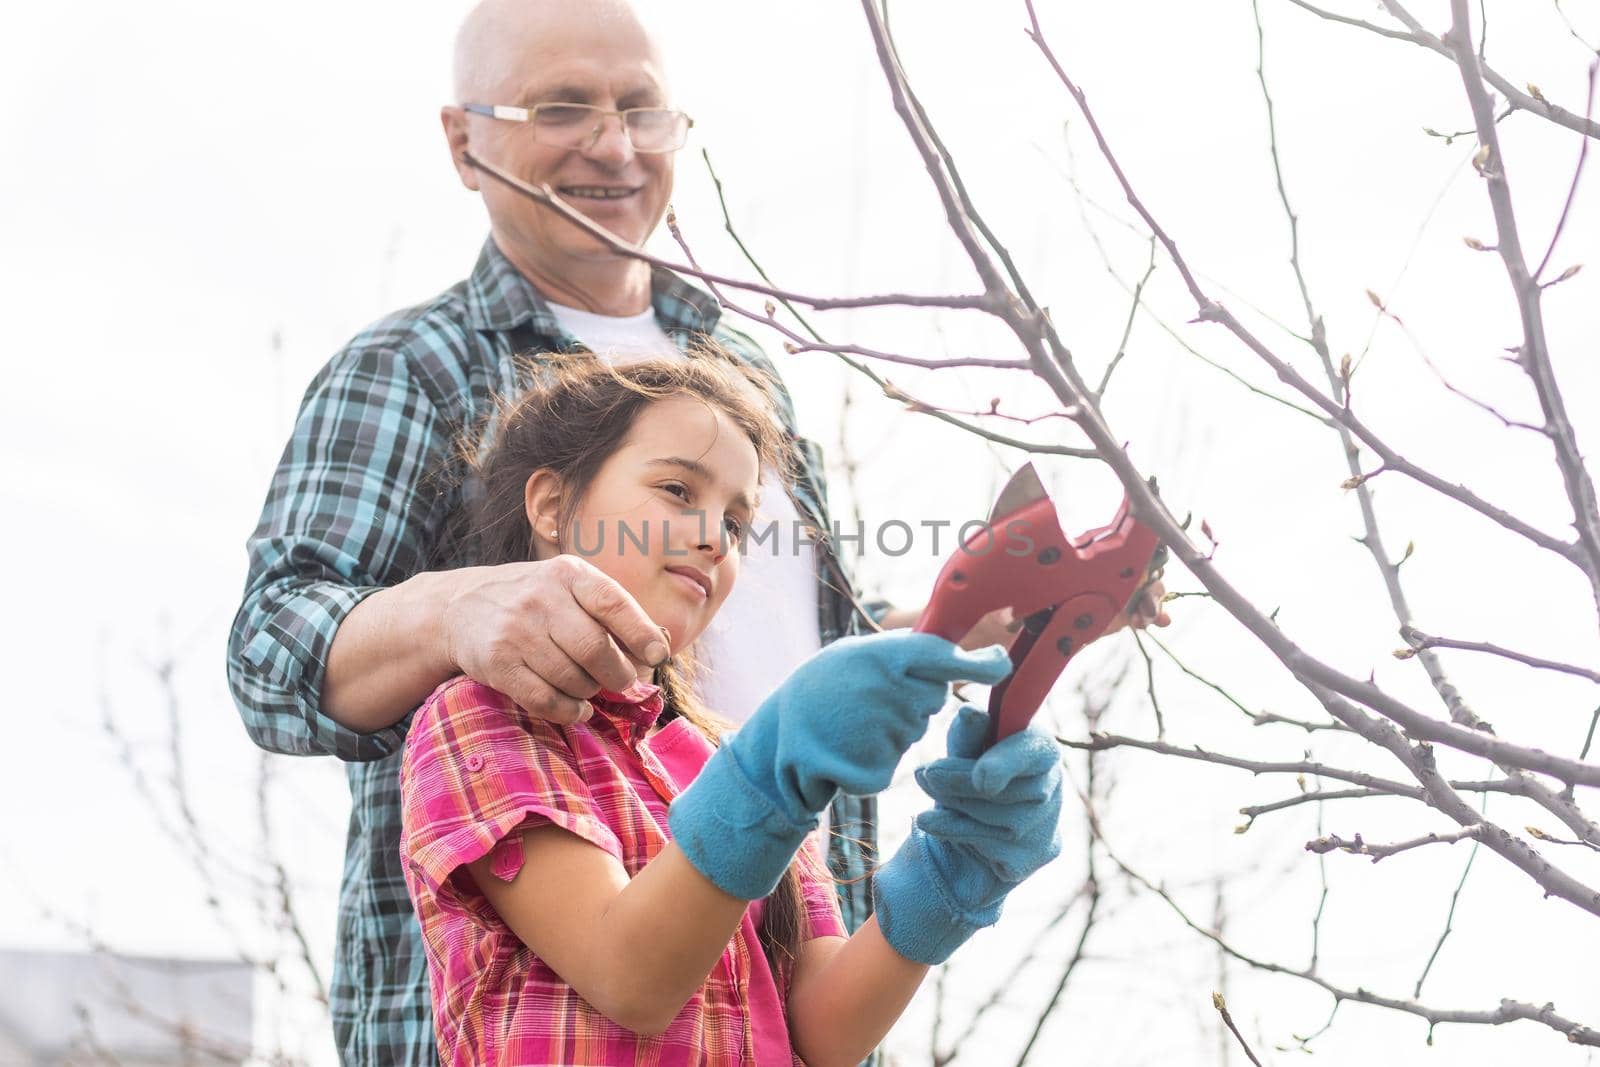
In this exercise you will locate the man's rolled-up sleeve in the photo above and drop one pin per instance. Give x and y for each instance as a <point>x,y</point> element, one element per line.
<point>354,506</point>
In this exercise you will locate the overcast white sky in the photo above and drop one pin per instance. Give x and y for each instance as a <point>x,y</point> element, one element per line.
<point>200,202</point>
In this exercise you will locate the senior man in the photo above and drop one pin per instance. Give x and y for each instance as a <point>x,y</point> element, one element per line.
<point>357,605</point>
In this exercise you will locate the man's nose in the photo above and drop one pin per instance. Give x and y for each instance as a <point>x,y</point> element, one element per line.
<point>609,143</point>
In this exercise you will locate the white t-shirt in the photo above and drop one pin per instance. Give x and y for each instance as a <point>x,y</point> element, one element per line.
<point>617,338</point>
<point>768,625</point>
<point>751,645</point>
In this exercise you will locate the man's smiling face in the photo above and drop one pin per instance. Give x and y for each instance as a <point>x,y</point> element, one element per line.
<point>574,53</point>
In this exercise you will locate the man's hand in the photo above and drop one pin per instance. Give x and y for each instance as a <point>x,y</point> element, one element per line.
<point>1144,611</point>
<point>996,628</point>
<point>549,634</point>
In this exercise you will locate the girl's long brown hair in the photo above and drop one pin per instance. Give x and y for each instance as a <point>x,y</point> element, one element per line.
<point>575,416</point>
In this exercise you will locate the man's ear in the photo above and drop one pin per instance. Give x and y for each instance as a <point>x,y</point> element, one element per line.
<point>541,503</point>
<point>454,120</point>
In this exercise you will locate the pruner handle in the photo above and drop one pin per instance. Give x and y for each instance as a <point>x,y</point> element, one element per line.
<point>1064,592</point>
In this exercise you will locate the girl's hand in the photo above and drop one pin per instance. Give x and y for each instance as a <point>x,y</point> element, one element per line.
<point>840,722</point>
<point>994,822</point>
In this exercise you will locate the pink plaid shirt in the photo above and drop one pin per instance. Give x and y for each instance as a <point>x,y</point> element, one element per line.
<point>476,770</point>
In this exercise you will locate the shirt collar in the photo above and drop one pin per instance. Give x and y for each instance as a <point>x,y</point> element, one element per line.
<point>499,298</point>
<point>631,712</point>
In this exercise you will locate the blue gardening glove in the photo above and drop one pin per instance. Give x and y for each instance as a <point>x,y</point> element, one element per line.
<point>841,721</point>
<point>994,822</point>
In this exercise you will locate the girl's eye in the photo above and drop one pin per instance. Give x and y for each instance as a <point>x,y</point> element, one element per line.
<point>730,523</point>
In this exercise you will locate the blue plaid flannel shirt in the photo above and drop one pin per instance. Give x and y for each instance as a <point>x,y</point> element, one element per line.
<point>358,504</point>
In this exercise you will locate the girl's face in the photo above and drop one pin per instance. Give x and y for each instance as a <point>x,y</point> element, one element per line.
<point>665,512</point>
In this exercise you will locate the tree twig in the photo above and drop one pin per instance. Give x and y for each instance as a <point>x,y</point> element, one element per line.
<point>1508,1010</point>
<point>1577,173</point>
<point>1333,842</point>
<point>543,194</point>
<point>1534,356</point>
<point>1127,327</point>
<point>1415,34</point>
<point>1372,538</point>
<point>1221,1005</point>
<point>1418,641</point>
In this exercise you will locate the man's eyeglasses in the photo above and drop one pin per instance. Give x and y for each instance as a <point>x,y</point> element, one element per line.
<point>649,129</point>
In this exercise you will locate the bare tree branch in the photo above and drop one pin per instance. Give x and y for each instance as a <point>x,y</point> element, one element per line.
<point>1211,311</point>
<point>1539,835</point>
<point>1535,355</point>
<point>288,910</point>
<point>1588,739</point>
<point>1093,713</point>
<point>1385,315</point>
<point>1382,31</point>
<point>1577,173</point>
<point>1508,1011</point>
<point>797,347</point>
<point>1101,742</point>
<point>1450,914</point>
<point>1259,718</point>
<point>1415,34</point>
<point>1221,1005</point>
<point>1372,539</point>
<point>956,185</point>
<point>1127,327</point>
<point>1150,684</point>
<point>1333,842</point>
<point>1420,641</point>
<point>1322,895</point>
<point>769,318</point>
<point>1573,30</point>
<point>1323,681</point>
<point>1319,795</point>
<point>1083,200</point>
<point>546,196</point>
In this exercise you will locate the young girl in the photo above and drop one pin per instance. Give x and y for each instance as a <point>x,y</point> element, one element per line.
<point>635,888</point>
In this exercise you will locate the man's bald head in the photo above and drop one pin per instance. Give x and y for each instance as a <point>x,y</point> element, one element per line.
<point>593,54</point>
<point>495,40</point>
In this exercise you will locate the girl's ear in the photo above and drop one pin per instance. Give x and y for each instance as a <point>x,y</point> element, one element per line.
<point>541,503</point>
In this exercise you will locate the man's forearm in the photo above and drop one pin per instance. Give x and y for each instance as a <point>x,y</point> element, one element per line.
<point>388,654</point>
<point>899,618</point>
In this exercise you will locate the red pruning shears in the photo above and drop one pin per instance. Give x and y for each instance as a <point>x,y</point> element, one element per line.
<point>1066,591</point>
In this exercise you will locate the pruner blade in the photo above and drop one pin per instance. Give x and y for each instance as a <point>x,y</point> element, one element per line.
<point>1023,488</point>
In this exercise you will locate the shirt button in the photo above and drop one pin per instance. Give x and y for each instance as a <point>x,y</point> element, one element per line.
<point>474,762</point>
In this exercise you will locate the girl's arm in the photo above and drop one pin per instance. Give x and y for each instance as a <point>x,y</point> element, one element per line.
<point>637,949</point>
<point>845,995</point>
<point>994,822</point>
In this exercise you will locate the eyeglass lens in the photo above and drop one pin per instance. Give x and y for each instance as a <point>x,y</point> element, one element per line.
<point>571,125</point>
